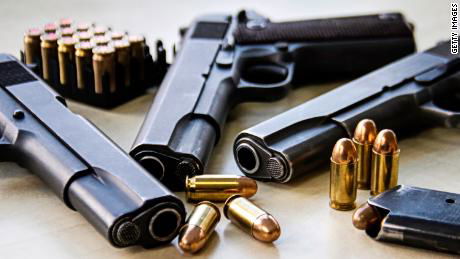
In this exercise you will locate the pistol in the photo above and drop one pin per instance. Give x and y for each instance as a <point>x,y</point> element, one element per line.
<point>225,60</point>
<point>416,92</point>
<point>85,169</point>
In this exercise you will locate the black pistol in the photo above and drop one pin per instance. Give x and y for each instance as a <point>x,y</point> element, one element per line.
<point>418,91</point>
<point>225,60</point>
<point>88,172</point>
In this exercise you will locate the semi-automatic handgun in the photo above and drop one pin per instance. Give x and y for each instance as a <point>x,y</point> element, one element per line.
<point>225,60</point>
<point>88,172</point>
<point>418,91</point>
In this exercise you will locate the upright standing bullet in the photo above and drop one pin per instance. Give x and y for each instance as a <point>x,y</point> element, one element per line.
<point>50,28</point>
<point>252,219</point>
<point>137,43</point>
<point>123,63</point>
<point>218,188</point>
<point>65,23</point>
<point>342,191</point>
<point>363,138</point>
<point>66,55</point>
<point>385,162</point>
<point>50,63</point>
<point>32,52</point>
<point>84,63</point>
<point>116,35</point>
<point>199,227</point>
<point>104,69</point>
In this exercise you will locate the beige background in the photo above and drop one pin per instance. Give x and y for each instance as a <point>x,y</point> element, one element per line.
<point>35,224</point>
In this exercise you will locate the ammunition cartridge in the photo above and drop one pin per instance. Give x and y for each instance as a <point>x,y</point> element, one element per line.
<point>385,162</point>
<point>104,69</point>
<point>137,43</point>
<point>84,63</point>
<point>66,55</point>
<point>218,188</point>
<point>50,28</point>
<point>83,27</point>
<point>252,219</point>
<point>32,52</point>
<point>49,53</point>
<point>123,63</point>
<point>65,23</point>
<point>342,191</point>
<point>365,217</point>
<point>116,35</point>
<point>101,40</point>
<point>100,30</point>
<point>67,32</point>
<point>199,227</point>
<point>363,139</point>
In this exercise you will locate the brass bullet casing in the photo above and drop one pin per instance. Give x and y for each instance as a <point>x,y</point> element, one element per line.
<point>83,27</point>
<point>84,63</point>
<point>218,188</point>
<point>100,30</point>
<point>137,43</point>
<point>67,32</point>
<point>66,55</point>
<point>101,40</point>
<point>385,162</point>
<point>116,35</point>
<point>65,23</point>
<point>365,217</point>
<point>252,219</point>
<point>364,138</point>
<point>49,53</point>
<point>83,36</point>
<point>104,69</point>
<point>50,28</point>
<point>123,62</point>
<point>32,51</point>
<point>199,227</point>
<point>344,162</point>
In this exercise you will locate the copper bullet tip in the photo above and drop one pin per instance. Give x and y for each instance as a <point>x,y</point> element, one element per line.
<point>365,216</point>
<point>344,152</point>
<point>266,228</point>
<point>386,142</point>
<point>191,239</point>
<point>365,132</point>
<point>34,32</point>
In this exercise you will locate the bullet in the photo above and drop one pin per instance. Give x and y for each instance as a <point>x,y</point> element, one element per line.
<point>365,217</point>
<point>104,69</point>
<point>84,36</point>
<point>32,51</point>
<point>116,35</point>
<point>137,43</point>
<point>218,188</point>
<point>342,191</point>
<point>363,138</point>
<point>65,23</point>
<point>49,53</point>
<point>199,227</point>
<point>50,28</point>
<point>385,162</point>
<point>101,40</point>
<point>84,64</point>
<point>66,55</point>
<point>83,27</point>
<point>252,219</point>
<point>100,30</point>
<point>67,32</point>
<point>123,63</point>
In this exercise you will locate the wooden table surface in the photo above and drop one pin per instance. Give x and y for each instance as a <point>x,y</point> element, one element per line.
<point>35,224</point>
